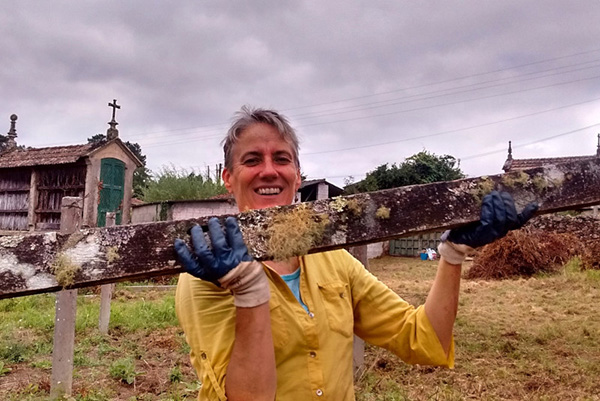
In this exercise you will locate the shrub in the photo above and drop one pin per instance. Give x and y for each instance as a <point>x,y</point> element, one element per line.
<point>172,183</point>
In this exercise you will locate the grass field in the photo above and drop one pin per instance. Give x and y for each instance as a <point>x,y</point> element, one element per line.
<point>534,339</point>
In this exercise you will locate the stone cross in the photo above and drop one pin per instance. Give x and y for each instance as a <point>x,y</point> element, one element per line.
<point>114,106</point>
<point>112,132</point>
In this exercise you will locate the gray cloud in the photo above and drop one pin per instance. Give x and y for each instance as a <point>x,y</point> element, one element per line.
<point>350,74</point>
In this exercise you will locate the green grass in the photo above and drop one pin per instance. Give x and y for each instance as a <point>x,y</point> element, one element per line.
<point>124,370</point>
<point>535,339</point>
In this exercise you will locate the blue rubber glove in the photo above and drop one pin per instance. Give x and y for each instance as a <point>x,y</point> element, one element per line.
<point>498,216</point>
<point>228,250</point>
<point>228,264</point>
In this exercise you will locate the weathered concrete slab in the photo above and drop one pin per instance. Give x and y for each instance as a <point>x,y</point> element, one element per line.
<point>30,263</point>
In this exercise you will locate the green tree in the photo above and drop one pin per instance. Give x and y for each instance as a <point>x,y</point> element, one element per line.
<point>172,183</point>
<point>141,175</point>
<point>421,168</point>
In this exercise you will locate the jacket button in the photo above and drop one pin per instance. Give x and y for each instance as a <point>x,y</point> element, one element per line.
<point>319,392</point>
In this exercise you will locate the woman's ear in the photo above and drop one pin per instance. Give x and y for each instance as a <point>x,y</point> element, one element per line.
<point>298,179</point>
<point>226,175</point>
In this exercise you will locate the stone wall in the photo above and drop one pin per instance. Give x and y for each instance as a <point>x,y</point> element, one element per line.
<point>182,210</point>
<point>188,210</point>
<point>585,227</point>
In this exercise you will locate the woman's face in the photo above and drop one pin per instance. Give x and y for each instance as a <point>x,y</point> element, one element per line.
<point>264,171</point>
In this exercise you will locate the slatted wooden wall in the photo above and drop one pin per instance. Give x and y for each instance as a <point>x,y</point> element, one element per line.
<point>14,198</point>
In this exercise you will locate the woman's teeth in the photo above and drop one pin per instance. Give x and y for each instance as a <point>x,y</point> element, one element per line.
<point>268,191</point>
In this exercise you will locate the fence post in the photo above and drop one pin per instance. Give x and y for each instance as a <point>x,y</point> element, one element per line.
<point>66,307</point>
<point>358,357</point>
<point>106,290</point>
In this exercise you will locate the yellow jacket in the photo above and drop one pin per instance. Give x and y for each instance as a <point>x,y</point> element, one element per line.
<point>313,351</point>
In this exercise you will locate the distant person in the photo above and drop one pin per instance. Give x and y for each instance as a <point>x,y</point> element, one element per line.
<point>284,330</point>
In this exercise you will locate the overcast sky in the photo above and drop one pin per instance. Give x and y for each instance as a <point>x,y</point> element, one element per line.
<point>364,82</point>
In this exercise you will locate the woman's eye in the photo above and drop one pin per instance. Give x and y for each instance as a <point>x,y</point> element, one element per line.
<point>283,160</point>
<point>251,162</point>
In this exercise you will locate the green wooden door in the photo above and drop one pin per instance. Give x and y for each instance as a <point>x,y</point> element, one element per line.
<point>112,183</point>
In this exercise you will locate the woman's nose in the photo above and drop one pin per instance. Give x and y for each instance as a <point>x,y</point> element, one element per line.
<point>269,169</point>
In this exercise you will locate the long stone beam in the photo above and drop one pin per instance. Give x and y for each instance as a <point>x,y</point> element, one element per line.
<point>50,261</point>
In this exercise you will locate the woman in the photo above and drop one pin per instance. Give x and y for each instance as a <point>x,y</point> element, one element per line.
<point>285,330</point>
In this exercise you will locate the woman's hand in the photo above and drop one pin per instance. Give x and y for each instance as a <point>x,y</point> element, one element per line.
<point>498,216</point>
<point>228,264</point>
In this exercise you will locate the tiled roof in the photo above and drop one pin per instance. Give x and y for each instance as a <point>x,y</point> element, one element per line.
<point>522,164</point>
<point>44,156</point>
<point>137,202</point>
<point>225,196</point>
<point>308,183</point>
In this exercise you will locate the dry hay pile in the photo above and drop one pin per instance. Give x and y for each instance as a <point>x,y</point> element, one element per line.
<point>590,255</point>
<point>523,253</point>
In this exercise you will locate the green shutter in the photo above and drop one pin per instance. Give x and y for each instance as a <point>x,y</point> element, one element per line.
<point>112,180</point>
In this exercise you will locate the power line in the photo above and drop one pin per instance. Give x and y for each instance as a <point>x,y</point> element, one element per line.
<point>530,143</point>
<point>439,93</point>
<point>450,103</point>
<point>448,80</point>
<point>219,126</point>
<point>398,111</point>
<point>451,131</point>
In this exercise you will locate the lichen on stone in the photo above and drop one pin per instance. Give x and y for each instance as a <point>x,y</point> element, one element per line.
<point>341,204</point>
<point>294,232</point>
<point>354,206</point>
<point>338,204</point>
<point>483,187</point>
<point>64,270</point>
<point>383,213</point>
<point>112,254</point>
<point>539,183</point>
<point>514,179</point>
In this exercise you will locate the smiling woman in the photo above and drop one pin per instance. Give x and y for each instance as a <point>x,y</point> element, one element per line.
<point>263,169</point>
<point>284,329</point>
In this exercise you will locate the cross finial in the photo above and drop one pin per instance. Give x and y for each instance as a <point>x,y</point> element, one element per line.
<point>114,106</point>
<point>113,132</point>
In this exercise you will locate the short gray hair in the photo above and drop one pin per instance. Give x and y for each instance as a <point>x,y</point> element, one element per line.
<point>248,116</point>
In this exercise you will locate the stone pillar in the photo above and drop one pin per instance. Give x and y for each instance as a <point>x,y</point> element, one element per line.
<point>106,290</point>
<point>61,381</point>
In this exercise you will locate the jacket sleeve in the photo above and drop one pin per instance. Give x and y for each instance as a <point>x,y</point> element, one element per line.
<point>384,319</point>
<point>207,315</point>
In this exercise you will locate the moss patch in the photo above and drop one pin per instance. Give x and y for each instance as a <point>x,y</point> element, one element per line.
<point>295,232</point>
<point>64,270</point>
<point>340,204</point>
<point>112,254</point>
<point>539,183</point>
<point>484,187</point>
<point>515,179</point>
<point>354,207</point>
<point>383,213</point>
